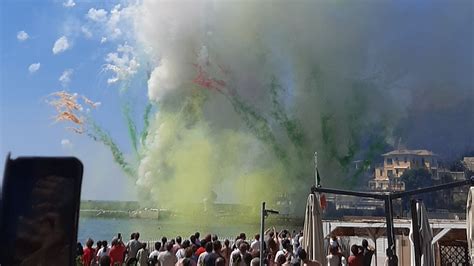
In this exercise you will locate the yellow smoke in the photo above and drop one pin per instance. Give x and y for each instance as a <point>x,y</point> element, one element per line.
<point>187,165</point>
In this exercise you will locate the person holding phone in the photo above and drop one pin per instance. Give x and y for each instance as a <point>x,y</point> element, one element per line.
<point>116,252</point>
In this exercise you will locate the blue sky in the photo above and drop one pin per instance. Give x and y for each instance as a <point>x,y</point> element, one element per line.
<point>26,124</point>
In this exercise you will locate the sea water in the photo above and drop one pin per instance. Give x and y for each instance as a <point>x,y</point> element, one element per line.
<point>150,229</point>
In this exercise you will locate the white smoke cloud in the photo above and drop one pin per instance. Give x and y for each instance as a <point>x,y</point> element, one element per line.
<point>34,67</point>
<point>69,4</point>
<point>122,63</point>
<point>61,45</point>
<point>116,15</point>
<point>163,79</point>
<point>22,36</point>
<point>66,144</point>
<point>113,24</point>
<point>174,38</point>
<point>119,22</point>
<point>98,15</point>
<point>65,78</point>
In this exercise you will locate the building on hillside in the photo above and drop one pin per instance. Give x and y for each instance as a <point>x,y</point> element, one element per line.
<point>469,163</point>
<point>395,163</point>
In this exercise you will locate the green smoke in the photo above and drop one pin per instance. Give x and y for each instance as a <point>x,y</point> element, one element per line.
<point>98,134</point>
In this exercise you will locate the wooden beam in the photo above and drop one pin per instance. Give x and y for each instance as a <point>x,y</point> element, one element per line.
<point>439,235</point>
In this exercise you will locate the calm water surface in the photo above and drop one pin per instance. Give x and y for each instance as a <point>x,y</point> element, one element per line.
<point>107,228</point>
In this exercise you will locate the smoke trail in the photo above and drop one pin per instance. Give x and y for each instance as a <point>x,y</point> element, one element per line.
<point>98,134</point>
<point>258,125</point>
<point>293,128</point>
<point>146,122</point>
<point>132,129</point>
<point>71,110</point>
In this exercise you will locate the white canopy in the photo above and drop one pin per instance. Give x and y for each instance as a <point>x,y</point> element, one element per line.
<point>470,222</point>
<point>313,238</point>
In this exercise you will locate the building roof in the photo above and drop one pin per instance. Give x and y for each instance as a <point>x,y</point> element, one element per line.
<point>409,152</point>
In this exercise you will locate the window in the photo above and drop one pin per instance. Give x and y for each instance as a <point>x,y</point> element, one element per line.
<point>381,172</point>
<point>422,161</point>
<point>389,161</point>
<point>396,171</point>
<point>389,173</point>
<point>405,160</point>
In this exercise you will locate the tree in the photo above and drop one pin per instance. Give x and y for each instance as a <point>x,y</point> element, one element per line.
<point>417,178</point>
<point>414,179</point>
<point>457,166</point>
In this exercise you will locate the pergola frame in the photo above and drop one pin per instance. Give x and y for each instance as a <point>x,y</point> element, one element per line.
<point>387,197</point>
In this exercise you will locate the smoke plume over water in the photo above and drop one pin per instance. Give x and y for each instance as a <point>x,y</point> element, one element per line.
<point>247,91</point>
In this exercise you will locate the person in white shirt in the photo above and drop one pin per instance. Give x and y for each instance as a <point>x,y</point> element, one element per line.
<point>286,251</point>
<point>255,246</point>
<point>155,252</point>
<point>142,256</point>
<point>104,251</point>
<point>133,246</point>
<point>237,256</point>
<point>188,253</point>
<point>180,253</point>
<point>177,245</point>
<point>166,258</point>
<point>203,255</point>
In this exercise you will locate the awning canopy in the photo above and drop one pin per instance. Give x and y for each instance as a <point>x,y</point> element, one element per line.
<point>372,232</point>
<point>313,236</point>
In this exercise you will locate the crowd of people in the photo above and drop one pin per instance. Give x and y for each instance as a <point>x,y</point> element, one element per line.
<point>283,248</point>
<point>360,255</point>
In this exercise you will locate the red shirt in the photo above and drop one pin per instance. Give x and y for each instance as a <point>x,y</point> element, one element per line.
<point>200,250</point>
<point>88,256</point>
<point>355,260</point>
<point>116,254</point>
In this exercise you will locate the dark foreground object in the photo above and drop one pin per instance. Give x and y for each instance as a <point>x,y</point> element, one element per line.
<point>40,210</point>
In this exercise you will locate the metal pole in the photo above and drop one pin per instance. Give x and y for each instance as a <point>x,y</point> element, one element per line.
<point>374,195</point>
<point>262,229</point>
<point>375,252</point>
<point>416,232</point>
<point>316,183</point>
<point>469,181</point>
<point>391,249</point>
<point>394,195</point>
